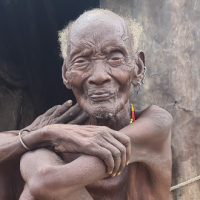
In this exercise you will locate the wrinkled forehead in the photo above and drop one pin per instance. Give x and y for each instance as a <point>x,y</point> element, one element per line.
<point>99,27</point>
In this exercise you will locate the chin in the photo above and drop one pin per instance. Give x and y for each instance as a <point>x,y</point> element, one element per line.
<point>105,115</point>
<point>103,112</point>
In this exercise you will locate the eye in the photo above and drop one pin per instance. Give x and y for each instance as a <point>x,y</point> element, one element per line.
<point>80,62</point>
<point>116,59</point>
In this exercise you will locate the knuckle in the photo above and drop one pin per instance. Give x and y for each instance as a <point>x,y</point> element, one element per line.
<point>89,146</point>
<point>117,155</point>
<point>107,156</point>
<point>123,149</point>
<point>67,105</point>
<point>58,112</point>
<point>127,142</point>
<point>51,121</point>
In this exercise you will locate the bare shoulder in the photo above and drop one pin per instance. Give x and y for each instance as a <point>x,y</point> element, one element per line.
<point>156,114</point>
<point>157,121</point>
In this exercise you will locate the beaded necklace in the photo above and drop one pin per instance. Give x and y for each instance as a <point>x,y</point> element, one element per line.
<point>132,114</point>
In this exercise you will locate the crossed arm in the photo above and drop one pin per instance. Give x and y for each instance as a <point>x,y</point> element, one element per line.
<point>48,177</point>
<point>10,146</point>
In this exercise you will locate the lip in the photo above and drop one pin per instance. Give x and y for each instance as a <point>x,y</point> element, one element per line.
<point>100,95</point>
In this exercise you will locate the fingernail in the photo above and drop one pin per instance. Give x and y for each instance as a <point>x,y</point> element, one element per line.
<point>127,163</point>
<point>118,173</point>
<point>110,172</point>
<point>113,175</point>
<point>69,101</point>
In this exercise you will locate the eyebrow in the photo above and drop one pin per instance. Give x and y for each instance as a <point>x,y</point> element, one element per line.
<point>119,48</point>
<point>80,52</point>
<point>106,48</point>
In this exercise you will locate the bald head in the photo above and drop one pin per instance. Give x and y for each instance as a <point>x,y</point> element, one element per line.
<point>99,20</point>
<point>99,17</point>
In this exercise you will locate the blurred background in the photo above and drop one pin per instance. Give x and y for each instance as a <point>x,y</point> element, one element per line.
<point>167,31</point>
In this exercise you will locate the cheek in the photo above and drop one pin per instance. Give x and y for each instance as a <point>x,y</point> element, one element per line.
<point>76,78</point>
<point>123,76</point>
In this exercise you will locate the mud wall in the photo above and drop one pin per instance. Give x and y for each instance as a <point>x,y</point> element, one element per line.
<point>169,34</point>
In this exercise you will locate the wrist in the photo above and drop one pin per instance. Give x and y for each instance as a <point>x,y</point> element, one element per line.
<point>36,139</point>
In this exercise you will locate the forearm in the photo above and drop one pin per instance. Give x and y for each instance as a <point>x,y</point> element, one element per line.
<point>11,147</point>
<point>38,137</point>
<point>48,177</point>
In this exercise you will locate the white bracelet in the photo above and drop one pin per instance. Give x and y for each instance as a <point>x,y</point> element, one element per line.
<point>22,140</point>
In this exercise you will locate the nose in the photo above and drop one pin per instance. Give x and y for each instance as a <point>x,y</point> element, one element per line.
<point>100,74</point>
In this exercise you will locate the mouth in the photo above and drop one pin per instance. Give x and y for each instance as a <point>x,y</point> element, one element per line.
<point>101,95</point>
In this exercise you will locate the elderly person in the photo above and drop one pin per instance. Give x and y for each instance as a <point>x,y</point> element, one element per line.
<point>100,67</point>
<point>106,157</point>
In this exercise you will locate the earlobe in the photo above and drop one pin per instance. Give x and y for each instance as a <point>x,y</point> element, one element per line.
<point>65,75</point>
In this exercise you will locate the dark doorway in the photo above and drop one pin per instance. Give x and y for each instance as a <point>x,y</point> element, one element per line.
<point>29,51</point>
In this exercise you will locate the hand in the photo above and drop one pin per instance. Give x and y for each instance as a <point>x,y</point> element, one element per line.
<point>111,146</point>
<point>60,114</point>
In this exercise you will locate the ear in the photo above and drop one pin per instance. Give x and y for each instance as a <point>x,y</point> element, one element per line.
<point>139,60</point>
<point>66,75</point>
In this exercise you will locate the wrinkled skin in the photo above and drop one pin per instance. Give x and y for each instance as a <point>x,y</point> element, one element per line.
<point>100,68</point>
<point>11,183</point>
<point>88,140</point>
<point>60,115</point>
<point>103,61</point>
<point>92,164</point>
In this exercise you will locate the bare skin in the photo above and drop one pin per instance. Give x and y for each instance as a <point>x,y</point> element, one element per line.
<point>11,183</point>
<point>145,171</point>
<point>55,138</point>
<point>100,68</point>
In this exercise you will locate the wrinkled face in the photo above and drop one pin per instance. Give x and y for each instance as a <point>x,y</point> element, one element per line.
<point>100,67</point>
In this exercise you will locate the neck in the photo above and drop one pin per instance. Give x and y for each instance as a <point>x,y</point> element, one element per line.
<point>117,122</point>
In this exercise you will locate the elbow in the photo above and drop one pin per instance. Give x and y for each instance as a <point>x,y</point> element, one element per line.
<point>44,185</point>
<point>40,184</point>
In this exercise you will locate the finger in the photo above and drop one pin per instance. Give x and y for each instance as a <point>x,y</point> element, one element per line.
<point>116,154</point>
<point>104,154</point>
<point>125,140</point>
<point>62,109</point>
<point>118,150</point>
<point>80,119</point>
<point>122,162</point>
<point>71,114</point>
<point>119,156</point>
<point>107,157</point>
<point>128,152</point>
<point>51,110</point>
